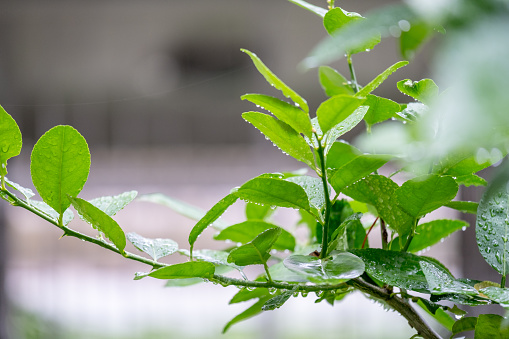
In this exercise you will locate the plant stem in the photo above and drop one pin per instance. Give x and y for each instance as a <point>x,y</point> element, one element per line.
<point>325,233</point>
<point>385,236</point>
<point>502,283</point>
<point>331,4</point>
<point>269,278</point>
<point>398,304</point>
<point>355,86</point>
<point>410,236</point>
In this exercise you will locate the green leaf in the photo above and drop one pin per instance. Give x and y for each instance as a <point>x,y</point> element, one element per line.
<point>246,231</point>
<point>347,168</point>
<point>424,90</point>
<point>336,269</point>
<point>289,114</point>
<point>462,164</point>
<point>492,225</point>
<point>190,269</point>
<point>279,300</point>
<point>463,206</point>
<point>10,140</point>
<point>337,18</point>
<point>46,209</point>
<point>246,294</point>
<point>491,326</point>
<point>113,204</point>
<point>356,33</point>
<point>335,110</point>
<point>437,313</point>
<point>334,83</point>
<point>156,248</point>
<point>276,82</point>
<point>275,192</point>
<point>279,272</point>
<point>258,212</point>
<point>315,9</point>
<point>60,164</point>
<point>410,40</point>
<point>380,192</point>
<point>412,112</point>
<point>463,325</point>
<point>212,215</point>
<point>249,313</point>
<point>100,221</point>
<point>497,294</point>
<point>218,258</point>
<point>441,282</point>
<point>282,135</point>
<point>344,126</point>
<point>380,109</point>
<point>181,208</point>
<point>430,233</point>
<point>313,188</point>
<point>424,194</point>
<point>380,79</point>
<point>399,269</point>
<point>257,251</point>
<point>27,192</point>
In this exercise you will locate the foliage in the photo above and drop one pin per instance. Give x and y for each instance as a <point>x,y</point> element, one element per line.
<point>346,196</point>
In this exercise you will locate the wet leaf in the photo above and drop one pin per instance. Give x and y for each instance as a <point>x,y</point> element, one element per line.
<point>211,216</point>
<point>257,251</point>
<point>492,224</point>
<point>313,188</point>
<point>100,221</point>
<point>156,248</point>
<point>410,40</point>
<point>497,294</point>
<point>46,209</point>
<point>399,269</point>
<point>422,195</point>
<point>246,295</point>
<point>60,164</point>
<point>463,206</point>
<point>258,212</point>
<point>336,269</point>
<point>344,126</point>
<point>190,269</point>
<point>430,233</point>
<point>336,110</point>
<point>441,282</point>
<point>380,192</point>
<point>463,325</point>
<point>10,140</point>
<point>282,135</point>
<point>279,300</point>
<point>289,114</point>
<point>491,326</point>
<point>424,90</point>
<point>249,313</point>
<point>246,231</point>
<point>113,204</point>
<point>380,109</point>
<point>182,208</point>
<point>337,18</point>
<point>27,192</point>
<point>333,82</point>
<point>275,192</point>
<point>380,79</point>
<point>276,82</point>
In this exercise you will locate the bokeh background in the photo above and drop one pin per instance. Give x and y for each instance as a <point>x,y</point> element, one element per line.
<point>154,86</point>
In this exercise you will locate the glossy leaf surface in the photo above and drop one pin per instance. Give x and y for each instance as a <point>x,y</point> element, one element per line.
<point>276,82</point>
<point>424,90</point>
<point>441,282</point>
<point>258,212</point>
<point>10,139</point>
<point>282,135</point>
<point>422,195</point>
<point>344,126</point>
<point>279,300</point>
<point>497,294</point>
<point>100,221</point>
<point>257,251</point>
<point>156,248</point>
<point>333,83</point>
<point>211,216</point>
<point>380,79</point>
<point>463,325</point>
<point>246,231</point>
<point>46,209</point>
<point>190,269</point>
<point>339,268</point>
<point>335,110</point>
<point>113,204</point>
<point>313,188</point>
<point>27,192</point>
<point>463,206</point>
<point>491,326</point>
<point>289,114</point>
<point>60,164</point>
<point>492,225</point>
<point>380,109</point>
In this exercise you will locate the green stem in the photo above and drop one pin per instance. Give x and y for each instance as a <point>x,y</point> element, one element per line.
<point>355,86</point>
<point>269,278</point>
<point>502,283</point>
<point>410,236</point>
<point>331,4</point>
<point>325,233</point>
<point>384,234</point>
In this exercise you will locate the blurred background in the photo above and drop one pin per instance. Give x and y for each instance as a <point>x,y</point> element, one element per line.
<point>154,88</point>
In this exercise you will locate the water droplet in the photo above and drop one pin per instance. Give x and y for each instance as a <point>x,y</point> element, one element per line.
<point>404,25</point>
<point>464,228</point>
